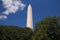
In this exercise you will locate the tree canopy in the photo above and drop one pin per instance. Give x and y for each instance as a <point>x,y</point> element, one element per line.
<point>14,33</point>
<point>46,29</point>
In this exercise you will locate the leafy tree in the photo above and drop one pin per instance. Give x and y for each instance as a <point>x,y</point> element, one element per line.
<point>14,33</point>
<point>47,29</point>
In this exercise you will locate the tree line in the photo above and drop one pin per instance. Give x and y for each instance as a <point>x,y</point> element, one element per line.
<point>46,29</point>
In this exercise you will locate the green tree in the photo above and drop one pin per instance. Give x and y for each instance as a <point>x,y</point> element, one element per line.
<point>14,33</point>
<point>47,29</point>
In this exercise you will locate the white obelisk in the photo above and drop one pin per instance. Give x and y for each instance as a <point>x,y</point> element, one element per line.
<point>29,17</point>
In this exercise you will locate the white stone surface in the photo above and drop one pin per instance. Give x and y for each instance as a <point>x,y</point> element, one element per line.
<point>29,17</point>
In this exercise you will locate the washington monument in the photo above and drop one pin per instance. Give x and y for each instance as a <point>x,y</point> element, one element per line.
<point>29,17</point>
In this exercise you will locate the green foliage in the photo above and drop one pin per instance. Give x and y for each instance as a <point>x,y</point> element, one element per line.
<point>47,29</point>
<point>14,33</point>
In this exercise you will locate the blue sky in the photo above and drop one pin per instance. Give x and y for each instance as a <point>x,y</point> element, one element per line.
<point>41,9</point>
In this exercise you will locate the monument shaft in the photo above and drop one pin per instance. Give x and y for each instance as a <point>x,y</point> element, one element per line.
<point>29,17</point>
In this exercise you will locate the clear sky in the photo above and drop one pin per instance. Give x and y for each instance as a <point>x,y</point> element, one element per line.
<point>41,9</point>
